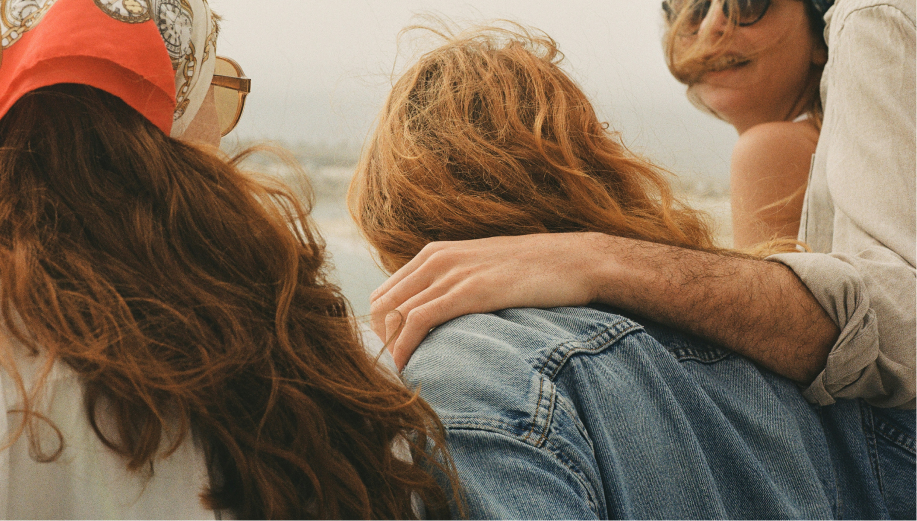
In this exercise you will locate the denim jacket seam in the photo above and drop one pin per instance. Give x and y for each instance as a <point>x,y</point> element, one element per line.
<point>539,421</point>
<point>894,435</point>
<point>701,356</point>
<point>570,348</point>
<point>536,419</point>
<point>872,449</point>
<point>562,402</point>
<point>575,470</point>
<point>473,423</point>
<point>503,429</point>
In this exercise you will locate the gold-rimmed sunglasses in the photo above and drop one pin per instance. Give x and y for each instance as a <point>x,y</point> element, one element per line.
<point>230,87</point>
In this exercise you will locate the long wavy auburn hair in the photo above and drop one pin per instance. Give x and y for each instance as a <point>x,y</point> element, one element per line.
<point>192,299</point>
<point>690,53</point>
<point>487,136</point>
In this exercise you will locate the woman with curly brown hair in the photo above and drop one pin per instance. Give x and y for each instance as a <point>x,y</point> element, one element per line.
<point>170,346</point>
<point>576,412</point>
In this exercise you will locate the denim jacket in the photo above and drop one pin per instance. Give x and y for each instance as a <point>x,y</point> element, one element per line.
<point>579,413</point>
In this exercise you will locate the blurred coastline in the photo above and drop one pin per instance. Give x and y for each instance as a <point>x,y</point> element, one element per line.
<point>329,170</point>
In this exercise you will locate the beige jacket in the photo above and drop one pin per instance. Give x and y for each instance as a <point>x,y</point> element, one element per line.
<point>859,212</point>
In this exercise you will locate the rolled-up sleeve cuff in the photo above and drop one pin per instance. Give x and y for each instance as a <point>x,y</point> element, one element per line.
<point>856,367</point>
<point>816,392</point>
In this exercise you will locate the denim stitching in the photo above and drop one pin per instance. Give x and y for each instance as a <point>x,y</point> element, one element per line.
<point>564,404</point>
<point>580,476</point>
<point>504,429</point>
<point>704,356</point>
<point>894,435</point>
<point>544,407</point>
<point>548,415</point>
<point>612,334</point>
<point>687,348</point>
<point>839,503</point>
<point>871,448</point>
<point>484,424</point>
<point>541,420</point>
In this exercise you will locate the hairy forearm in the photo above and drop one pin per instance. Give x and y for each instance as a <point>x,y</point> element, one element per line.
<point>757,308</point>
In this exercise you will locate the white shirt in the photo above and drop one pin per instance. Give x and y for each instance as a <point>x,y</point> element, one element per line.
<point>87,480</point>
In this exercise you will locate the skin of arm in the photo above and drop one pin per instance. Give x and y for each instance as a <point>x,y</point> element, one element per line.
<point>757,308</point>
<point>768,174</point>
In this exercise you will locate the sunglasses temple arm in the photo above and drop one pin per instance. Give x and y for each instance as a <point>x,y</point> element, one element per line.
<point>231,82</point>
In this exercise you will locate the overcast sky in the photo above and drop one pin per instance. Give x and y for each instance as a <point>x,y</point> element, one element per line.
<point>321,69</point>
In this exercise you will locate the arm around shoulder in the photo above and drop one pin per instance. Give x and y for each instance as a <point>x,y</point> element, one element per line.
<point>757,308</point>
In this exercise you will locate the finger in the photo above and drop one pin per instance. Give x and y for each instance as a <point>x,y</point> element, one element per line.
<point>395,319</point>
<point>430,270</point>
<point>420,320</point>
<point>377,323</point>
<point>416,327</point>
<point>395,299</point>
<point>383,306</point>
<point>406,270</point>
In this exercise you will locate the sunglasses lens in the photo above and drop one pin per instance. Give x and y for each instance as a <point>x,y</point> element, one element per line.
<point>750,11</point>
<point>228,101</point>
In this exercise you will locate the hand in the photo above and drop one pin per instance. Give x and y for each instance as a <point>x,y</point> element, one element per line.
<point>450,279</point>
<point>757,308</point>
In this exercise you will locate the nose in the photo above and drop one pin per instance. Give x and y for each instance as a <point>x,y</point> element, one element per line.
<point>715,20</point>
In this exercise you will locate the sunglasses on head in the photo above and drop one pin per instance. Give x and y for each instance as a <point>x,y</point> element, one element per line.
<point>750,11</point>
<point>230,87</point>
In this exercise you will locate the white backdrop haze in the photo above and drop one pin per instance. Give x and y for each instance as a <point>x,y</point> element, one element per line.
<point>321,70</point>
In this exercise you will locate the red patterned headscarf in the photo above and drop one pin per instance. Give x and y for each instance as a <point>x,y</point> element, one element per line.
<point>156,55</point>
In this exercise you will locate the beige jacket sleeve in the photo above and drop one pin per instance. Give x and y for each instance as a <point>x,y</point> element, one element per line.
<point>860,205</point>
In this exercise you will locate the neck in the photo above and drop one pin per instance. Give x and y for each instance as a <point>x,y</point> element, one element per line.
<point>788,111</point>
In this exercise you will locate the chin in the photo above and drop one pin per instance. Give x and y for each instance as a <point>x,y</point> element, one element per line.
<point>719,101</point>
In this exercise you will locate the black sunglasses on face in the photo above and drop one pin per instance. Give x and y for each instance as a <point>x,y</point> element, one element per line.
<point>750,11</point>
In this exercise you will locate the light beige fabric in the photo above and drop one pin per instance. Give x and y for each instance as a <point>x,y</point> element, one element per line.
<point>859,212</point>
<point>88,480</point>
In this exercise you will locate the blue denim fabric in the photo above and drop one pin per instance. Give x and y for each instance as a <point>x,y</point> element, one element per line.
<point>576,413</point>
<point>890,437</point>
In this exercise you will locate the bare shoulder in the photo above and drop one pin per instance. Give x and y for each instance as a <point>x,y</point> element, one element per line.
<point>775,147</point>
<point>768,175</point>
